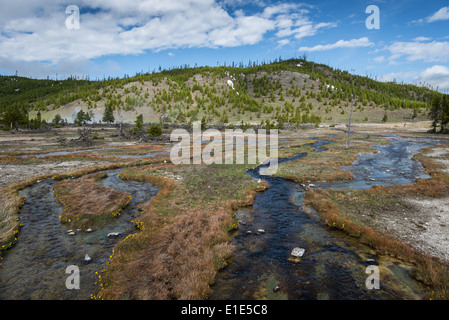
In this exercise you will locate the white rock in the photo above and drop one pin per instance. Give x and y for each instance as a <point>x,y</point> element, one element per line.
<point>87,258</point>
<point>89,230</point>
<point>113,234</point>
<point>261,231</point>
<point>298,252</point>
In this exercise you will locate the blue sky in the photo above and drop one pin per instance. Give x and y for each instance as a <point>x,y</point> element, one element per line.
<point>125,37</point>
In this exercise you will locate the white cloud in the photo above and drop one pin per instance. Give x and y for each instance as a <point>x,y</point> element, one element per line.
<point>379,59</point>
<point>437,76</point>
<point>398,76</point>
<point>422,39</point>
<point>418,51</point>
<point>442,14</point>
<point>35,32</point>
<point>354,43</point>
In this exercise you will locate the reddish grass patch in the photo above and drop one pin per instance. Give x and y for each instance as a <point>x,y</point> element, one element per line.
<point>180,249</point>
<point>87,203</point>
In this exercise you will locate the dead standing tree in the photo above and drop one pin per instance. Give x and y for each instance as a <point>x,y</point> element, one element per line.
<point>85,136</point>
<point>350,117</point>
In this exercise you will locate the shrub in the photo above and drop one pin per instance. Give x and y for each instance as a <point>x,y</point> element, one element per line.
<point>155,131</point>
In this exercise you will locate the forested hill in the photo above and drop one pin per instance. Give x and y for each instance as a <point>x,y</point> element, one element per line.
<point>282,92</point>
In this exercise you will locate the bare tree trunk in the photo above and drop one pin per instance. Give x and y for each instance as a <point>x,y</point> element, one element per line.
<point>349,128</point>
<point>84,135</point>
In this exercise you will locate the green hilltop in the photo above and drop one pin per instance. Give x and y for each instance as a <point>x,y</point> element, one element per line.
<point>290,92</point>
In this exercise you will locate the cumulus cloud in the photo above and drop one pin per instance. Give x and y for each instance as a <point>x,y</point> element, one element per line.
<point>437,76</point>
<point>35,32</point>
<point>354,43</point>
<point>442,14</point>
<point>435,51</point>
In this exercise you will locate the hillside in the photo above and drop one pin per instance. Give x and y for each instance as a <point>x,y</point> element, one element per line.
<point>292,91</point>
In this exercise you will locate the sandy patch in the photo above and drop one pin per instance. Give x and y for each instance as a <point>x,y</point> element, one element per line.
<point>425,222</point>
<point>432,226</point>
<point>11,173</point>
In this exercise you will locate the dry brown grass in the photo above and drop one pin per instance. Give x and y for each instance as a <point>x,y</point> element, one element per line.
<point>184,241</point>
<point>11,201</point>
<point>87,203</point>
<point>325,166</point>
<point>335,208</point>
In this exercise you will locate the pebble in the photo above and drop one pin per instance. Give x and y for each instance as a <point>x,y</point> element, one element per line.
<point>87,258</point>
<point>260,231</point>
<point>249,232</point>
<point>89,230</point>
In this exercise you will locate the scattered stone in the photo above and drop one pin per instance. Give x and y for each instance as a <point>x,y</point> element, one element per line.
<point>89,230</point>
<point>296,255</point>
<point>72,233</point>
<point>311,185</point>
<point>372,179</point>
<point>298,252</point>
<point>249,232</point>
<point>261,231</point>
<point>276,289</point>
<point>87,258</point>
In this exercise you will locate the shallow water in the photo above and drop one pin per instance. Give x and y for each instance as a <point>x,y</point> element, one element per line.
<point>334,265</point>
<point>35,268</point>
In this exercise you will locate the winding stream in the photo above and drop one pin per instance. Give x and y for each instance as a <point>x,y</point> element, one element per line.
<point>35,268</point>
<point>334,265</point>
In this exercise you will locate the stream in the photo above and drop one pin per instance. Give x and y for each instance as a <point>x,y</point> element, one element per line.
<point>334,266</point>
<point>35,268</point>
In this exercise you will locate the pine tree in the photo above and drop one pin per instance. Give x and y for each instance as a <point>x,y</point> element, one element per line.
<point>444,114</point>
<point>155,131</point>
<point>82,118</point>
<point>435,112</point>
<point>108,115</point>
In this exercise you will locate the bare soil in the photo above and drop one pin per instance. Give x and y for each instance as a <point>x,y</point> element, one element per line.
<point>12,173</point>
<point>425,223</point>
